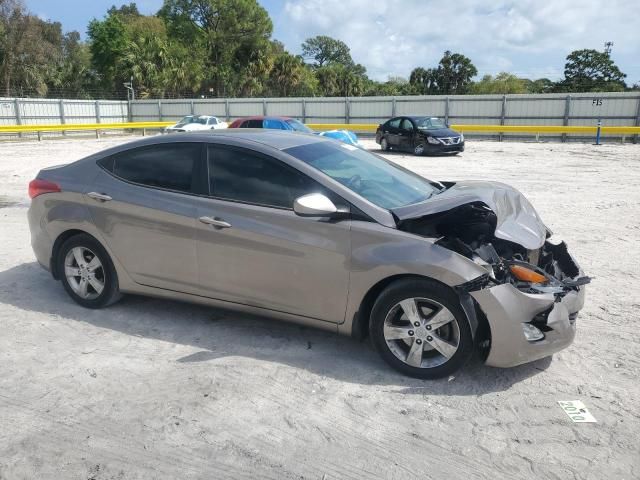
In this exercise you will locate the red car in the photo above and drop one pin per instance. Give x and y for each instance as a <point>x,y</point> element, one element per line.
<point>276,123</point>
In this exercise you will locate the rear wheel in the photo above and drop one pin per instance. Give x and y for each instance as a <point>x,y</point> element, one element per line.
<point>384,144</point>
<point>420,329</point>
<point>87,272</point>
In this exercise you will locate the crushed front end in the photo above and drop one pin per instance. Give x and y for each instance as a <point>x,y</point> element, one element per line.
<point>530,300</point>
<point>533,288</point>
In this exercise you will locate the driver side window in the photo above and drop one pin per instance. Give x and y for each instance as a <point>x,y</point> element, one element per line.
<point>406,125</point>
<point>244,176</point>
<point>395,123</point>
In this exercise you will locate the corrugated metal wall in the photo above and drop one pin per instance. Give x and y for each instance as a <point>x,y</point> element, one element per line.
<point>547,109</point>
<point>40,111</point>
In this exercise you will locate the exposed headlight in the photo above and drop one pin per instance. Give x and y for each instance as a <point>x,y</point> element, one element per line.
<point>531,332</point>
<point>527,275</point>
<point>462,137</point>
<point>433,141</point>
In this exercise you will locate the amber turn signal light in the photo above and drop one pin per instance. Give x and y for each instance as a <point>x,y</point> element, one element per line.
<point>526,275</point>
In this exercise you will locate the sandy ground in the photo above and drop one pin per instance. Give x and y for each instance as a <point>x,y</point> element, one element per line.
<point>159,389</point>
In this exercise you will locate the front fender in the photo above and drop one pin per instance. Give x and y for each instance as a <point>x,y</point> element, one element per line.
<point>379,253</point>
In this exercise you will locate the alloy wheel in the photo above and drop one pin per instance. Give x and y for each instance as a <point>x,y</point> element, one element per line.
<point>84,273</point>
<point>421,332</point>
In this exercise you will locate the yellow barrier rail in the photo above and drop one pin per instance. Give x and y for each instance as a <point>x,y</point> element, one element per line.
<point>535,129</point>
<point>70,127</point>
<point>357,127</point>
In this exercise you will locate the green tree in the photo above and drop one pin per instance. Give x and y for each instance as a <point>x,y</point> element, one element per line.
<point>338,80</point>
<point>159,66</point>
<point>227,30</point>
<point>130,10</point>
<point>589,70</point>
<point>73,73</point>
<point>30,49</point>
<point>419,79</point>
<point>393,86</point>
<point>108,42</point>
<point>541,85</point>
<point>291,77</point>
<point>452,76</point>
<point>323,50</point>
<point>503,83</point>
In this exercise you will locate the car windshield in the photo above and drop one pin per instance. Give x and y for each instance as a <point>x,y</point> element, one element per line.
<point>381,182</point>
<point>429,123</point>
<point>185,120</point>
<point>298,126</point>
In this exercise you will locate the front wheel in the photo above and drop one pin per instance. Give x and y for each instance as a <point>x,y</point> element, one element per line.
<point>384,144</point>
<point>87,273</point>
<point>420,329</point>
<point>418,149</point>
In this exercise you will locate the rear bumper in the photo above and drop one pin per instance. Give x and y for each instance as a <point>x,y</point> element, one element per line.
<point>40,241</point>
<point>506,308</point>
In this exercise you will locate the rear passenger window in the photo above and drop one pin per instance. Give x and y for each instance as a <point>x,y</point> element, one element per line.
<point>245,176</point>
<point>252,124</point>
<point>395,123</point>
<point>167,166</point>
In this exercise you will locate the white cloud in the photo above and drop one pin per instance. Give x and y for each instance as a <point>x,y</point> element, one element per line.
<point>529,37</point>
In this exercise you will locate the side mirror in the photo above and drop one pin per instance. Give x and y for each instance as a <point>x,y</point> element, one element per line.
<point>314,205</point>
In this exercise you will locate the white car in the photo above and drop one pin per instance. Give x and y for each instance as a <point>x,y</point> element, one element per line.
<point>192,123</point>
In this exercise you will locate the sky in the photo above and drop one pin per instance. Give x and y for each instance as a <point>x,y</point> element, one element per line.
<point>530,38</point>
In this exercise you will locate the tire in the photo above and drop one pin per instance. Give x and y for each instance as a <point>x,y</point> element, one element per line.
<point>419,149</point>
<point>384,144</point>
<point>81,274</point>
<point>443,327</point>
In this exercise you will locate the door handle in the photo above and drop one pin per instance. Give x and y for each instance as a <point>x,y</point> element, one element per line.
<point>99,196</point>
<point>215,222</point>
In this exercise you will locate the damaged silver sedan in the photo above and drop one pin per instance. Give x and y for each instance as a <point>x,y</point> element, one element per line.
<point>307,229</point>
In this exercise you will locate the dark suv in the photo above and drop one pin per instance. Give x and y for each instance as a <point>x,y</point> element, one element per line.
<point>420,135</point>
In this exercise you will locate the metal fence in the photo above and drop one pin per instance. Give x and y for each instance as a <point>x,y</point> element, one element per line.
<point>40,111</point>
<point>612,109</point>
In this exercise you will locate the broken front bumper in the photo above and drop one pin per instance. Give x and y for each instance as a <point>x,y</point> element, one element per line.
<point>507,308</point>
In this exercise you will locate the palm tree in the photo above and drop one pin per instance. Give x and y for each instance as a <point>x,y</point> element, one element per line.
<point>287,73</point>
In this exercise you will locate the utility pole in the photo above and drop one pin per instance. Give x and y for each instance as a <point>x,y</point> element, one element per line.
<point>131,93</point>
<point>607,47</point>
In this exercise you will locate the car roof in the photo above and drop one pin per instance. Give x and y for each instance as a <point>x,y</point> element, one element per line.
<point>263,117</point>
<point>415,117</point>
<point>278,139</point>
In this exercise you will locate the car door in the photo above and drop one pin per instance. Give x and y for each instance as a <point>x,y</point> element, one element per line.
<point>406,134</point>
<point>142,204</point>
<point>254,250</point>
<point>392,131</point>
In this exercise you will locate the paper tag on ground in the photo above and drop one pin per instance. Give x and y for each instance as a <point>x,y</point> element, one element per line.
<point>577,411</point>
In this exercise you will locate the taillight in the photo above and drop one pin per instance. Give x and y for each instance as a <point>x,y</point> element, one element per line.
<point>38,187</point>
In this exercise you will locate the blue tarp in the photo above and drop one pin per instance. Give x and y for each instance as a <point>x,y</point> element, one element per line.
<point>345,136</point>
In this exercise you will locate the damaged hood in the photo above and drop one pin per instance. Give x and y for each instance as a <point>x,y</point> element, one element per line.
<point>517,220</point>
